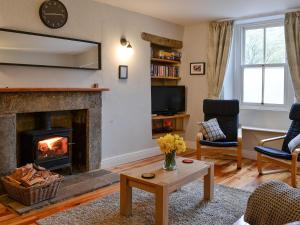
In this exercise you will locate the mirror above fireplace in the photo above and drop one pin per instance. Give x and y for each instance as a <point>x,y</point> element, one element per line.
<point>19,48</point>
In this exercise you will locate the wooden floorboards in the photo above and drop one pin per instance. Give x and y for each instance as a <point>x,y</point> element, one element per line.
<point>225,173</point>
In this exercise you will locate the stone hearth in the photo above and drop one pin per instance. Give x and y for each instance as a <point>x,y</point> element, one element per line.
<point>15,102</point>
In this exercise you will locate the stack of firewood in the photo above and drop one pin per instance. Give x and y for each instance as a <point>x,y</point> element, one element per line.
<point>31,175</point>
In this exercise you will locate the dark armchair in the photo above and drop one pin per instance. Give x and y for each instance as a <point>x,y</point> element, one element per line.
<point>227,114</point>
<point>282,157</point>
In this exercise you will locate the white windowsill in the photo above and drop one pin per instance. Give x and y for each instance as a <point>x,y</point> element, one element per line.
<point>265,108</point>
<point>264,129</point>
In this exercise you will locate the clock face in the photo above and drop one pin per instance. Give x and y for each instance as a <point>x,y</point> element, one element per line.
<point>53,13</point>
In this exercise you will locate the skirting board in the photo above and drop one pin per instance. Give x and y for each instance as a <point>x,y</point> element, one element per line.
<point>149,152</point>
<point>247,154</point>
<point>129,157</point>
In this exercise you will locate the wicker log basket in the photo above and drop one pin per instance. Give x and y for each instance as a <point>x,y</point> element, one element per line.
<point>31,195</point>
<point>31,184</point>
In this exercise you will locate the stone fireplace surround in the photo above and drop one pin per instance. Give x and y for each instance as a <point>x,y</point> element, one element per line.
<point>27,100</point>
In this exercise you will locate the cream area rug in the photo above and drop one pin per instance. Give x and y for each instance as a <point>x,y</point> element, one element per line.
<point>186,207</point>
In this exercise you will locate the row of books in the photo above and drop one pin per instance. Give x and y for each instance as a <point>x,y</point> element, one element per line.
<point>164,71</point>
<point>163,54</point>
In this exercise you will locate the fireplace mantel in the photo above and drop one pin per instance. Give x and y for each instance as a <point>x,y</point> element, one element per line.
<point>24,90</point>
<point>17,101</point>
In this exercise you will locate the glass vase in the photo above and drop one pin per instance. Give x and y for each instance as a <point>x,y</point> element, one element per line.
<point>170,162</point>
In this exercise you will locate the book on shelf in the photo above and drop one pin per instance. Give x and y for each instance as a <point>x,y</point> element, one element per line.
<point>164,71</point>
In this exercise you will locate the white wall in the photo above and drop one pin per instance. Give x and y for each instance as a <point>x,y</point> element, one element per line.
<point>195,48</point>
<point>127,106</point>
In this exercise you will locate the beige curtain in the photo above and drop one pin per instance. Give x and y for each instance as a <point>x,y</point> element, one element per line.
<point>292,39</point>
<point>220,38</point>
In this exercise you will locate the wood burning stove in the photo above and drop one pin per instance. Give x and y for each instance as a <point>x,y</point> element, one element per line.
<point>47,147</point>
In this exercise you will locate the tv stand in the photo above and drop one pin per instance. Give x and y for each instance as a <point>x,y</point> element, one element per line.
<point>178,121</point>
<point>166,114</point>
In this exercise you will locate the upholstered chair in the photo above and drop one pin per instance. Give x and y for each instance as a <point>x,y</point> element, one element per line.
<point>274,203</point>
<point>227,114</point>
<point>282,157</point>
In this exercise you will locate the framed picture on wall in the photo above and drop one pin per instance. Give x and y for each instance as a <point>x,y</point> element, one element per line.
<point>197,68</point>
<point>123,72</point>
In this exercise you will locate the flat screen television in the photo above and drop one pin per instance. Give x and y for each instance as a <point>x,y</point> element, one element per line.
<point>168,100</point>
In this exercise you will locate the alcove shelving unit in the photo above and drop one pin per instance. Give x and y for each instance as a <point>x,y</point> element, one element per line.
<point>165,71</point>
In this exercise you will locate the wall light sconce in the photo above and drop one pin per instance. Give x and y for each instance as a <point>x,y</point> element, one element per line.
<point>125,51</point>
<point>126,43</point>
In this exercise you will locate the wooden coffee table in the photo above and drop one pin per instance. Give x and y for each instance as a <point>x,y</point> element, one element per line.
<point>163,184</point>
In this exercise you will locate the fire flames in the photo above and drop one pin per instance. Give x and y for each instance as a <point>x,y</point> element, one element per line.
<point>52,147</point>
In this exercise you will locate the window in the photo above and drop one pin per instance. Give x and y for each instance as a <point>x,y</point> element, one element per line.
<point>261,71</point>
<point>263,65</point>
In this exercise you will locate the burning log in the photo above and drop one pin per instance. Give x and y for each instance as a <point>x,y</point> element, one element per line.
<point>54,146</point>
<point>30,175</point>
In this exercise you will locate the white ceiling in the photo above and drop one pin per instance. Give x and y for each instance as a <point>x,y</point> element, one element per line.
<point>187,12</point>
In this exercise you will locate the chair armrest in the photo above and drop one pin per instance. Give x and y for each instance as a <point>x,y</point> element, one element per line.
<point>240,136</point>
<point>262,142</point>
<point>296,152</point>
<point>199,136</point>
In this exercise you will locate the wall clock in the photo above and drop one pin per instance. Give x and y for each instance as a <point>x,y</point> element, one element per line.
<point>54,14</point>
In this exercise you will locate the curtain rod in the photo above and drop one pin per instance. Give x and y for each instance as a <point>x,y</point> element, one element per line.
<point>278,13</point>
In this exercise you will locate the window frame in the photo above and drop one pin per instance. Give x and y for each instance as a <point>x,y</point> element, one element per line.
<point>239,51</point>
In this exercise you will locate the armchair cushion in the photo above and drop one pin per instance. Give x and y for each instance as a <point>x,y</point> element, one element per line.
<point>294,143</point>
<point>273,152</point>
<point>211,130</point>
<point>219,143</point>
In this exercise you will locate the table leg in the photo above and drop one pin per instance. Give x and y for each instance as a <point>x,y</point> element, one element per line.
<point>161,206</point>
<point>125,197</point>
<point>209,183</point>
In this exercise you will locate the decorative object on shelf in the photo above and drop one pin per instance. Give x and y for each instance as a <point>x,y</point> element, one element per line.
<point>123,72</point>
<point>170,55</point>
<point>53,14</point>
<point>197,68</point>
<point>95,85</point>
<point>188,161</point>
<point>148,175</point>
<point>168,125</point>
<point>170,145</point>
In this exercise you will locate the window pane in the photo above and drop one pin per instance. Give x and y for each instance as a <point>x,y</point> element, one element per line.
<point>252,85</point>
<point>274,85</point>
<point>275,45</point>
<point>254,46</point>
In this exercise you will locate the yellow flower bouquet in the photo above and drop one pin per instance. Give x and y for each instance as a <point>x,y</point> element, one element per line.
<point>170,145</point>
